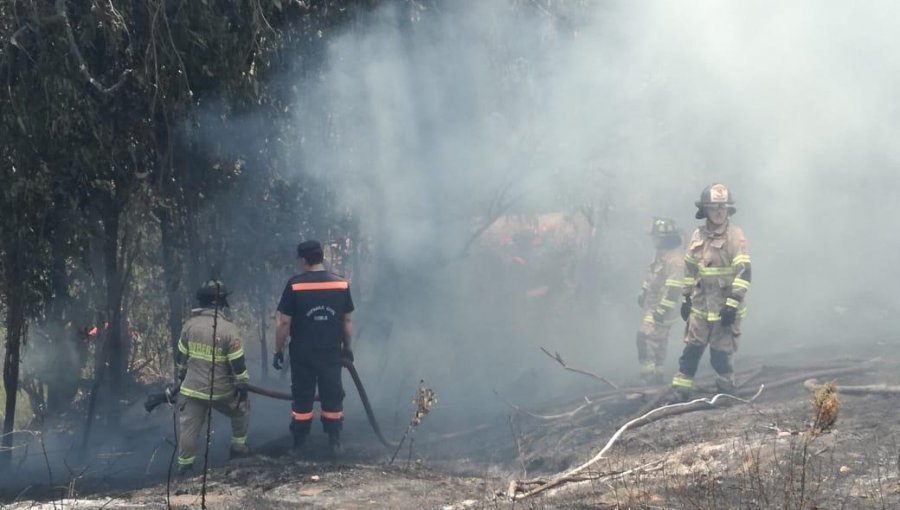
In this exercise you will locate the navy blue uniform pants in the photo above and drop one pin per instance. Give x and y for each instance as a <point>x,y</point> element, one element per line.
<point>311,369</point>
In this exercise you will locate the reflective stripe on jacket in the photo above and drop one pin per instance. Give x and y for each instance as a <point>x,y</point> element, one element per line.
<point>663,285</point>
<point>195,356</point>
<point>717,271</point>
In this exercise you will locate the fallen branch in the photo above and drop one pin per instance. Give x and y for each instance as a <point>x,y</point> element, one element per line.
<point>568,414</point>
<point>555,356</point>
<point>586,477</point>
<point>653,415</point>
<point>813,385</point>
<point>610,476</point>
<point>828,372</point>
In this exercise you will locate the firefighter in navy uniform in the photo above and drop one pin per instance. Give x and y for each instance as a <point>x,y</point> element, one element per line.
<point>314,312</point>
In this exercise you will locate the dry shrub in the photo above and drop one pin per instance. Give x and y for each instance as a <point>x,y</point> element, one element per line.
<point>825,406</point>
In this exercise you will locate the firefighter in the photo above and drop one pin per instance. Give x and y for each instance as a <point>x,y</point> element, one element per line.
<point>716,281</point>
<point>212,371</point>
<point>314,312</point>
<point>660,295</point>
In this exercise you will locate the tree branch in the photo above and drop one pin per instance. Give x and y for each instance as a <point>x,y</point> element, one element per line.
<point>82,64</point>
<point>555,356</point>
<point>499,205</point>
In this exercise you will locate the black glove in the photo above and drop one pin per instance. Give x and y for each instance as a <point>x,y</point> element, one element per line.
<point>347,355</point>
<point>278,360</point>
<point>686,308</point>
<point>659,316</point>
<point>240,392</point>
<point>641,299</point>
<point>728,314</point>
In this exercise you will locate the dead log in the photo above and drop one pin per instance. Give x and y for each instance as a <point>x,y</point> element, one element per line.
<point>521,486</point>
<point>828,372</point>
<point>883,389</point>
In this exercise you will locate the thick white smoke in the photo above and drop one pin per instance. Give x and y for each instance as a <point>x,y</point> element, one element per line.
<point>420,117</point>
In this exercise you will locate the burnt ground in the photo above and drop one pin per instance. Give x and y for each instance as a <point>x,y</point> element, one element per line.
<point>760,455</point>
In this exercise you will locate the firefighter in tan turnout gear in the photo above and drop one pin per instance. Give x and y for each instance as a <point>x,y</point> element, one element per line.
<point>660,295</point>
<point>716,281</point>
<point>212,372</point>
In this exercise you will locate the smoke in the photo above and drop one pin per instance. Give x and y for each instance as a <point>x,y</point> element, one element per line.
<point>427,122</point>
<point>422,117</point>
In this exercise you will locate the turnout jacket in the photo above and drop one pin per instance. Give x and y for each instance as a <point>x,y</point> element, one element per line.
<point>195,357</point>
<point>717,271</point>
<point>663,285</point>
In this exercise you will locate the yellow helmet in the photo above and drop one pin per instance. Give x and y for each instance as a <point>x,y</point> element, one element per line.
<point>662,227</point>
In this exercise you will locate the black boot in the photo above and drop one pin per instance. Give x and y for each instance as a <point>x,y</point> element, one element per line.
<point>334,444</point>
<point>299,431</point>
<point>725,384</point>
<point>297,448</point>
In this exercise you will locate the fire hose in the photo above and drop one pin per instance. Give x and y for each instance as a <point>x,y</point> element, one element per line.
<point>155,399</point>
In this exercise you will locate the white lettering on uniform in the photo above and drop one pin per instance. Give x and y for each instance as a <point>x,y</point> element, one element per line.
<point>321,313</point>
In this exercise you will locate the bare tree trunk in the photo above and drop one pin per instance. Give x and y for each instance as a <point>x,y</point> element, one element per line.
<point>174,271</point>
<point>115,360</point>
<point>15,330</point>
<point>62,344</point>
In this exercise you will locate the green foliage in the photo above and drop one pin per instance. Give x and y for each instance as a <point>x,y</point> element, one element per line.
<point>143,151</point>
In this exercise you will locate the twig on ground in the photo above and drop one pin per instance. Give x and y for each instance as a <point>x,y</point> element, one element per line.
<point>518,440</point>
<point>653,415</point>
<point>568,414</point>
<point>555,356</point>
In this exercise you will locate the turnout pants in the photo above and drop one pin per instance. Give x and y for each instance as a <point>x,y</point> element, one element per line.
<point>652,342</point>
<point>312,368</point>
<point>192,416</point>
<point>722,341</point>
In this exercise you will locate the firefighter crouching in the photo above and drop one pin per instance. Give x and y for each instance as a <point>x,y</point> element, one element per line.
<point>314,312</point>
<point>659,298</point>
<point>201,358</point>
<point>716,281</point>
